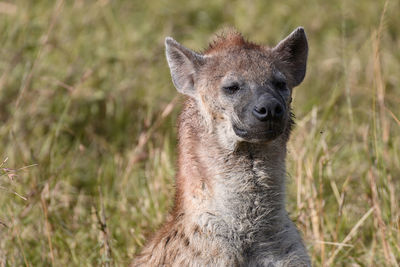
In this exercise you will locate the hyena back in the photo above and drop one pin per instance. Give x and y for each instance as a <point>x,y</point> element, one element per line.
<point>229,207</point>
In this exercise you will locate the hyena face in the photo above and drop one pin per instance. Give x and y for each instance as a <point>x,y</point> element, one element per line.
<point>244,90</point>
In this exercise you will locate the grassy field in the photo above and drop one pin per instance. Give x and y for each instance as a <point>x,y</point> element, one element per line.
<point>88,136</point>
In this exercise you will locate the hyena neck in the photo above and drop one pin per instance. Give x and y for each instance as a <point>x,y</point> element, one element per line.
<point>236,186</point>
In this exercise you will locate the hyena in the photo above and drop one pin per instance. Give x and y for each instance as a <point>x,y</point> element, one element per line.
<point>229,207</point>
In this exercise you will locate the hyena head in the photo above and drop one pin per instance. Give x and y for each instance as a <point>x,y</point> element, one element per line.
<point>243,90</point>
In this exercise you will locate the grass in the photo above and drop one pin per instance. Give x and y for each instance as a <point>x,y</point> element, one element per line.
<point>88,113</point>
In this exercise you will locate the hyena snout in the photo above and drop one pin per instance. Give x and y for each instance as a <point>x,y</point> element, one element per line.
<point>263,120</point>
<point>268,108</point>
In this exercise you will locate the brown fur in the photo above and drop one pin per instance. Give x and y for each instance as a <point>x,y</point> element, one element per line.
<point>228,40</point>
<point>229,202</point>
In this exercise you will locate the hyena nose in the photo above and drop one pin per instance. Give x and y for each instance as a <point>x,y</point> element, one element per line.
<point>270,109</point>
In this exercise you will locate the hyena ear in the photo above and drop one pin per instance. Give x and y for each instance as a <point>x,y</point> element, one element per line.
<point>183,64</point>
<point>292,54</point>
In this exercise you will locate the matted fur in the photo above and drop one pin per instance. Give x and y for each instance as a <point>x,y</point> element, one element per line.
<point>229,207</point>
<point>228,39</point>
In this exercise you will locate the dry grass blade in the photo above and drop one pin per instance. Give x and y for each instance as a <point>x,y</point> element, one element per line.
<point>11,173</point>
<point>3,224</point>
<point>101,220</point>
<point>393,116</point>
<point>388,253</point>
<point>46,221</point>
<point>144,137</point>
<point>13,192</point>
<point>57,9</point>
<point>349,236</point>
<point>334,243</point>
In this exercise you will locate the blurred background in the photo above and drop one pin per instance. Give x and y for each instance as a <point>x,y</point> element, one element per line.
<point>88,124</point>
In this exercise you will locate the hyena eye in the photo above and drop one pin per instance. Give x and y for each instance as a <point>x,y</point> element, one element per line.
<point>231,89</point>
<point>280,85</point>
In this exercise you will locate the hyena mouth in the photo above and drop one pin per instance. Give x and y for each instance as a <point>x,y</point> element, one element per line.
<point>260,134</point>
<point>239,132</point>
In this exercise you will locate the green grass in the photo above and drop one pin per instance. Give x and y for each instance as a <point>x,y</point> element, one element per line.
<point>85,94</point>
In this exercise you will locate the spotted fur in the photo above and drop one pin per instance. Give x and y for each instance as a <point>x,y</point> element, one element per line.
<point>229,207</point>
